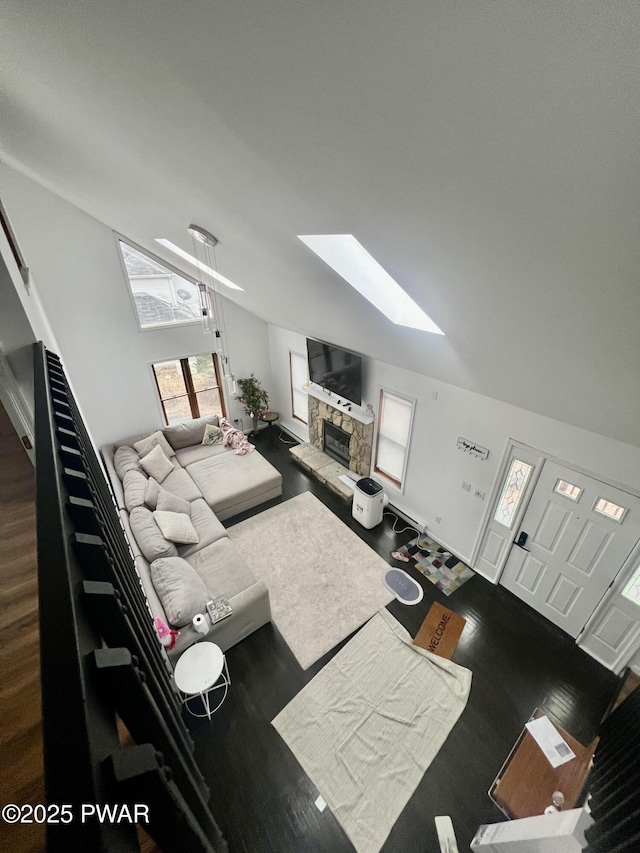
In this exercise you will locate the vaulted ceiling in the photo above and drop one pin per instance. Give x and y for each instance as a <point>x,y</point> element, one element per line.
<point>484,151</point>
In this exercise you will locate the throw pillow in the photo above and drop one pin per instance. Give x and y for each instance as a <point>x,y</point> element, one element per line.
<point>180,589</point>
<point>135,486</point>
<point>146,444</point>
<point>212,435</point>
<point>151,493</point>
<point>176,527</point>
<point>156,464</point>
<point>126,459</point>
<point>187,433</point>
<point>172,503</point>
<point>148,535</point>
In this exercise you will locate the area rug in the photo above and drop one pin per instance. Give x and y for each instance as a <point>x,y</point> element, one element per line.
<point>370,723</point>
<point>440,631</point>
<point>323,580</point>
<point>437,564</point>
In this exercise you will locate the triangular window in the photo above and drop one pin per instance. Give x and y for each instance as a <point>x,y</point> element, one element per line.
<point>161,295</point>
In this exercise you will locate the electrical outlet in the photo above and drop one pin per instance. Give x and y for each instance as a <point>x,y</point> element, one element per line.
<point>438,519</point>
<point>465,486</point>
<point>478,494</point>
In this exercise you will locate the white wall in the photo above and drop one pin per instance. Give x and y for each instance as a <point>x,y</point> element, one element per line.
<point>436,467</point>
<point>74,258</point>
<point>75,262</point>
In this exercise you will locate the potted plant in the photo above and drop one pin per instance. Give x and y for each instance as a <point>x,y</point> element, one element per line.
<point>254,398</point>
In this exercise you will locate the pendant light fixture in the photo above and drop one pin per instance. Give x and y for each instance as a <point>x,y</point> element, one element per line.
<point>211,302</point>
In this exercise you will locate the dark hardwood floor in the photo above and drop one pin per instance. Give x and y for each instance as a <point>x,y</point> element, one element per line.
<point>262,799</point>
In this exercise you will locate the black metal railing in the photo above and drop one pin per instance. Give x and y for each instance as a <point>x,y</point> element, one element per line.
<point>614,783</point>
<point>101,659</point>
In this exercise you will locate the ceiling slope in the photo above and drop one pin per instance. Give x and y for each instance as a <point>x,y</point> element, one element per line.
<point>485,153</point>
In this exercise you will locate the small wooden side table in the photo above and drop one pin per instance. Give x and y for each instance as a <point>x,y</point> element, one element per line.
<point>269,418</point>
<point>526,781</point>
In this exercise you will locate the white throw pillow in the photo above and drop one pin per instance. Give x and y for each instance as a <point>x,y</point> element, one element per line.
<point>156,464</point>
<point>212,435</point>
<point>146,444</point>
<point>176,527</point>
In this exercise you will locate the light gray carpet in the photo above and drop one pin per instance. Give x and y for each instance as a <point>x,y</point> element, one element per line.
<point>323,580</point>
<point>370,723</point>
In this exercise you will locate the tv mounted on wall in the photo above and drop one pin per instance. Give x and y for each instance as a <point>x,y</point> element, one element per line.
<point>336,370</point>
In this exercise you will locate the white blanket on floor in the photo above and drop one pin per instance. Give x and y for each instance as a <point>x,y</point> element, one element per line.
<point>367,727</point>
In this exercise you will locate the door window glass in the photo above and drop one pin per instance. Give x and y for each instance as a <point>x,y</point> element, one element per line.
<point>512,492</point>
<point>611,510</point>
<point>568,490</point>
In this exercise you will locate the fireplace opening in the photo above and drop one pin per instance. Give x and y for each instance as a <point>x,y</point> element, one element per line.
<point>335,443</point>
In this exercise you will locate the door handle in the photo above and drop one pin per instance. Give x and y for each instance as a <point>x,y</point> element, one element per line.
<point>521,541</point>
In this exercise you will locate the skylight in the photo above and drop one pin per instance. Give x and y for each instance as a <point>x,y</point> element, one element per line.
<point>196,263</point>
<point>344,254</point>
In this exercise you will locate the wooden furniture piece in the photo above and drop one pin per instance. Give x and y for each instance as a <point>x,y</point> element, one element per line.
<point>269,418</point>
<point>526,782</point>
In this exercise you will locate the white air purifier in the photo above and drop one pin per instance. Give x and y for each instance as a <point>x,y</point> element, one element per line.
<point>368,502</point>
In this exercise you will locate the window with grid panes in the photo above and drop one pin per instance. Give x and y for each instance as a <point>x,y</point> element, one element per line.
<point>298,376</point>
<point>189,387</point>
<point>395,417</point>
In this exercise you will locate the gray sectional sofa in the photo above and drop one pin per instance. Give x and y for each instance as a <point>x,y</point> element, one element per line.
<point>172,491</point>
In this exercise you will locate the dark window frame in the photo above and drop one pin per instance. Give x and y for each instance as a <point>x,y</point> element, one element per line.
<point>191,393</point>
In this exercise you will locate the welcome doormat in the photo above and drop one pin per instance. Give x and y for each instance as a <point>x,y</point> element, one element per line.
<point>440,631</point>
<point>437,564</point>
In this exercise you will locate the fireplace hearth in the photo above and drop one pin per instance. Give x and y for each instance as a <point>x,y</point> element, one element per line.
<point>335,443</point>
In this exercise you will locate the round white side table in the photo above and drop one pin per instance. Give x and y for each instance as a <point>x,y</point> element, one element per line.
<point>197,672</point>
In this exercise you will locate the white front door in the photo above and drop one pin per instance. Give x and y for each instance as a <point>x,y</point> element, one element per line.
<point>579,532</point>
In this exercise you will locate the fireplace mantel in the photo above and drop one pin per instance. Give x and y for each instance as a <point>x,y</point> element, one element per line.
<point>356,412</point>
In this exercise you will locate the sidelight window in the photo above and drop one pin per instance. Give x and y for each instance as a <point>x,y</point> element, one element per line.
<point>512,492</point>
<point>632,589</point>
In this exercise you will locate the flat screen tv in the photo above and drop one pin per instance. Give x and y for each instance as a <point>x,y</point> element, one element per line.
<point>336,370</point>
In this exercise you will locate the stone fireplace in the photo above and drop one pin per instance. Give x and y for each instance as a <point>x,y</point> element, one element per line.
<point>360,435</point>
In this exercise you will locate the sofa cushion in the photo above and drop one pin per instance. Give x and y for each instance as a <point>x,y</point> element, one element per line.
<point>188,432</point>
<point>179,588</point>
<point>222,569</point>
<point>207,526</point>
<point>188,455</point>
<point>146,444</point>
<point>228,482</point>
<point>180,483</point>
<point>176,527</point>
<point>126,459</point>
<point>156,463</point>
<point>168,502</point>
<point>135,486</point>
<point>149,536</point>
